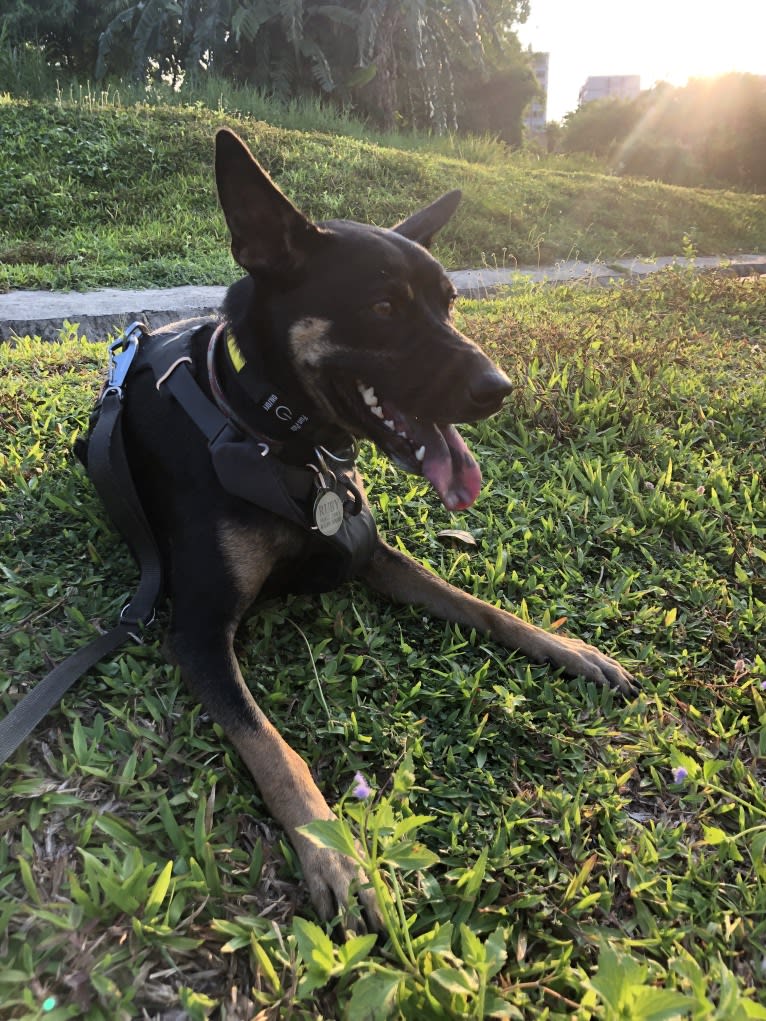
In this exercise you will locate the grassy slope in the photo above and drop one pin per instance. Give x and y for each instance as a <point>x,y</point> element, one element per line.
<point>94,197</point>
<point>624,493</point>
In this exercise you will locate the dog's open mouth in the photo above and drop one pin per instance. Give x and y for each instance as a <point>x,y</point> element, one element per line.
<point>437,452</point>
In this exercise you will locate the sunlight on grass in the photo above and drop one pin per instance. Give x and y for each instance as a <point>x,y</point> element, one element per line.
<point>104,194</point>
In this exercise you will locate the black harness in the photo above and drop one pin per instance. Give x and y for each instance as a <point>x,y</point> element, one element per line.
<point>318,495</point>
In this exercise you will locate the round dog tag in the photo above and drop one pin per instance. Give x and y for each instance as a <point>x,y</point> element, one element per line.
<point>328,512</point>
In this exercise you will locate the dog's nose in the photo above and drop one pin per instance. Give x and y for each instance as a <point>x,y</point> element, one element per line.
<point>488,390</point>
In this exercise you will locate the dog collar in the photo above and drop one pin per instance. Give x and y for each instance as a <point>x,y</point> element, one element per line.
<point>273,417</point>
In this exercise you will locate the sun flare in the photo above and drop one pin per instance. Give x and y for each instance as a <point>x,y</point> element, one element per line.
<point>660,40</point>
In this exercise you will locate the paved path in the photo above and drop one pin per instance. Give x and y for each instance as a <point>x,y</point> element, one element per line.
<point>101,312</point>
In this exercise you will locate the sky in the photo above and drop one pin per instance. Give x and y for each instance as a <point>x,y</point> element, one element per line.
<point>660,40</point>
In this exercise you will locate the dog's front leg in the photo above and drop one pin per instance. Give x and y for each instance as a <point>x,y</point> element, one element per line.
<point>206,607</point>
<point>404,580</point>
<point>211,671</point>
<point>293,798</point>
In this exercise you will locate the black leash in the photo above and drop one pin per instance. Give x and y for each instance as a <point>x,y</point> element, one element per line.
<point>47,693</point>
<point>108,468</point>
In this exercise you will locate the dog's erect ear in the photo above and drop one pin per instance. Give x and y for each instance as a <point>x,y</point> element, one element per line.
<point>268,234</point>
<point>422,226</point>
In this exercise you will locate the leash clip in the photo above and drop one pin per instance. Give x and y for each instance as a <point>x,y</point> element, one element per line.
<point>352,506</point>
<point>121,354</point>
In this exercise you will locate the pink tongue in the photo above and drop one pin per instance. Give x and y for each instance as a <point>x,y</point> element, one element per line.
<point>448,464</point>
<point>450,467</point>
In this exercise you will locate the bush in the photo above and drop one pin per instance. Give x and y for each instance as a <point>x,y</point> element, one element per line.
<point>712,132</point>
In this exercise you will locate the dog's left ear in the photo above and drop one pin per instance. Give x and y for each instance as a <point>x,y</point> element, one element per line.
<point>269,236</point>
<point>422,226</point>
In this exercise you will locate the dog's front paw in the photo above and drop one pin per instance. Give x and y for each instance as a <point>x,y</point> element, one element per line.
<point>583,660</point>
<point>335,881</point>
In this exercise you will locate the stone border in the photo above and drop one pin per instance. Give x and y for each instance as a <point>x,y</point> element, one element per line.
<point>103,312</point>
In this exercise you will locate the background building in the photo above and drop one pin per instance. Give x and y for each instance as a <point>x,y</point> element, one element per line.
<point>535,114</point>
<point>615,86</point>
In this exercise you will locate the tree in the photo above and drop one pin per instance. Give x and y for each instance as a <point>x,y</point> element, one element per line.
<point>399,62</point>
<point>710,132</point>
<point>272,44</point>
<point>141,38</point>
<point>56,27</point>
<point>599,127</point>
<point>494,103</point>
<point>424,55</point>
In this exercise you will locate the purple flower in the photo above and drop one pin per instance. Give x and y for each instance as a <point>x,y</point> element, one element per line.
<point>763,685</point>
<point>680,773</point>
<point>361,788</point>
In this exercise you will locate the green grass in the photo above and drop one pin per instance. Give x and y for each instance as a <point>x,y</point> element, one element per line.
<point>98,195</point>
<point>25,75</point>
<point>560,871</point>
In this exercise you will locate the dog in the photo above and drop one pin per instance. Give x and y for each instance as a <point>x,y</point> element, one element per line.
<point>350,331</point>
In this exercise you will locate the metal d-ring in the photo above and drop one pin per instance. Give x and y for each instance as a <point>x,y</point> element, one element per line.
<point>319,451</point>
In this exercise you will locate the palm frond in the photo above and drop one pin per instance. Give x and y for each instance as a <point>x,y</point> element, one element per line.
<point>111,36</point>
<point>320,65</point>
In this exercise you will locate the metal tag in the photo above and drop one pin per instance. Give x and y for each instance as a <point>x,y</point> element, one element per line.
<point>328,512</point>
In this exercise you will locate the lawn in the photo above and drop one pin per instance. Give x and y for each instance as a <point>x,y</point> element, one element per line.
<point>542,848</point>
<point>110,195</point>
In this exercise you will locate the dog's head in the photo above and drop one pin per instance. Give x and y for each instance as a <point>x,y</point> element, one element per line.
<point>367,317</point>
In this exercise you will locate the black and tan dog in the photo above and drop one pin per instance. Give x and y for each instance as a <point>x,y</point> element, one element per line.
<point>339,331</point>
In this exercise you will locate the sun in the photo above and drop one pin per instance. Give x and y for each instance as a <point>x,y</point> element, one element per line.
<point>660,40</point>
<point>700,39</point>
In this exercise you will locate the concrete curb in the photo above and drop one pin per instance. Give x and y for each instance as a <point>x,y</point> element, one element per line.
<point>99,313</point>
<point>476,283</point>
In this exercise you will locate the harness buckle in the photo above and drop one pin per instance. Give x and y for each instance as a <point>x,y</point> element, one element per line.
<point>121,354</point>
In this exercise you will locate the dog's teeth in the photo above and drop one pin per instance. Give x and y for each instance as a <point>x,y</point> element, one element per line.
<point>369,396</point>
<point>389,424</point>
<point>402,434</point>
<point>376,410</point>
<point>420,453</point>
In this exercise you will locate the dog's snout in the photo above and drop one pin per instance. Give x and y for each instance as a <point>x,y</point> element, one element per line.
<point>489,390</point>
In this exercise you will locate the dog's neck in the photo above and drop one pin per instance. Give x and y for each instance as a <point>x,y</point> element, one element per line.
<point>274,411</point>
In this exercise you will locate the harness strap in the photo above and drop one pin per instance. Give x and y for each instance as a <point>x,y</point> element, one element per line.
<point>178,379</point>
<point>109,471</point>
<point>242,465</point>
<point>108,467</point>
<point>246,467</point>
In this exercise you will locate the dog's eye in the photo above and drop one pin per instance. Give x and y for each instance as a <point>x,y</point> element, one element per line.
<point>384,309</point>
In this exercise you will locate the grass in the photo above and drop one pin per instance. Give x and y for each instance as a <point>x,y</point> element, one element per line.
<point>543,856</point>
<point>24,74</point>
<point>97,194</point>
